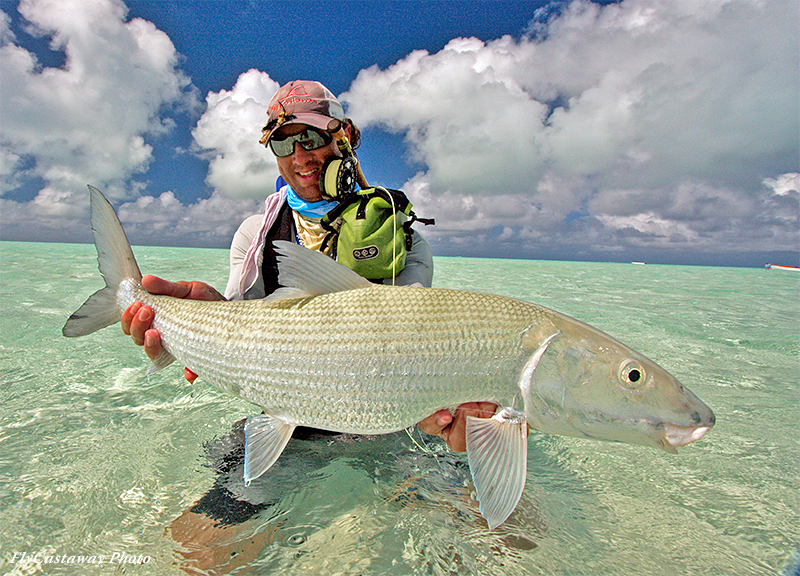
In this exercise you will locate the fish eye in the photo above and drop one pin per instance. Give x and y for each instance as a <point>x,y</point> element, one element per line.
<point>632,375</point>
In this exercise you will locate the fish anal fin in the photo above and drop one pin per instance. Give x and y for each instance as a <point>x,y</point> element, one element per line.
<point>497,449</point>
<point>160,362</point>
<point>265,438</point>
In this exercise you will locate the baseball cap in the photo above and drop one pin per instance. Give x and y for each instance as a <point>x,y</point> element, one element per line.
<point>301,102</point>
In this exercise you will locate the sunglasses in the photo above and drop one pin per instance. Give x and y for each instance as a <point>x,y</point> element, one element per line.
<point>309,139</point>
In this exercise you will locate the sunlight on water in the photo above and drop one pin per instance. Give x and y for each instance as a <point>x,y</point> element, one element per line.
<point>104,470</point>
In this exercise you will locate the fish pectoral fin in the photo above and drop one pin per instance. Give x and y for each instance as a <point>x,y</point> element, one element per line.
<point>497,449</point>
<point>265,438</point>
<point>161,361</point>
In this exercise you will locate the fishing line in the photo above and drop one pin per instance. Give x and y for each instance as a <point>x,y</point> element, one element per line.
<point>394,239</point>
<point>416,443</point>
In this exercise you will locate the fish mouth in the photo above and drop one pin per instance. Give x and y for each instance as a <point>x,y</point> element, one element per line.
<point>675,436</point>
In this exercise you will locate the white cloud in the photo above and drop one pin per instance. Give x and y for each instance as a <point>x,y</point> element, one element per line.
<point>89,120</point>
<point>210,221</point>
<point>241,171</point>
<point>649,224</point>
<point>162,219</point>
<point>784,184</point>
<point>228,134</point>
<point>639,122</point>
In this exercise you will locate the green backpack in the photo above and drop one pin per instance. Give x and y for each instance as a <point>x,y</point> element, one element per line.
<point>372,231</point>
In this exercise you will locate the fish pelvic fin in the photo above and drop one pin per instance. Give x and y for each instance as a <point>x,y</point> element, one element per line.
<point>303,273</point>
<point>497,449</point>
<point>116,262</point>
<point>265,438</point>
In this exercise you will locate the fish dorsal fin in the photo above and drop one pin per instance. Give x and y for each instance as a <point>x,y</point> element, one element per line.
<point>303,273</point>
<point>497,449</point>
<point>265,437</point>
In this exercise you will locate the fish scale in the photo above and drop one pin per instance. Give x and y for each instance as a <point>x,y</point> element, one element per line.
<point>331,350</point>
<point>379,352</point>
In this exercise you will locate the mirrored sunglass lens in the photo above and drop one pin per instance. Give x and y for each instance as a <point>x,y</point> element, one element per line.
<point>309,139</point>
<point>282,148</point>
<point>313,139</point>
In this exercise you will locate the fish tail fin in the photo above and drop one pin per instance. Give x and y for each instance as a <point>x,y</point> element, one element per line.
<point>116,262</point>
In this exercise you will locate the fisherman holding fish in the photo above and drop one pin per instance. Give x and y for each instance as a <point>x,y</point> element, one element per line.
<point>299,132</point>
<point>399,353</point>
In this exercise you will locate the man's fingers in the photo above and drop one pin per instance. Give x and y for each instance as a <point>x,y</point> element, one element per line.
<point>139,324</point>
<point>127,317</point>
<point>192,290</point>
<point>483,410</point>
<point>152,343</point>
<point>453,427</point>
<point>156,285</point>
<point>435,423</point>
<point>137,319</point>
<point>456,434</point>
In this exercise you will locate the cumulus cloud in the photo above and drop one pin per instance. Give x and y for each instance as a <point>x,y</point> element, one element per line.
<point>645,123</point>
<point>208,222</point>
<point>785,184</point>
<point>89,120</point>
<point>228,134</point>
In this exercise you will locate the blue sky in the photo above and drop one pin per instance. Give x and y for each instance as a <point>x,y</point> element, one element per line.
<point>663,131</point>
<point>320,40</point>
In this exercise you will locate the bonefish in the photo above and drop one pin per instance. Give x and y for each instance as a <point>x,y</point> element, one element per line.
<point>331,350</point>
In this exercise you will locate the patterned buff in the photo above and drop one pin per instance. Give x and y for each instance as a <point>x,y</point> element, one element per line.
<point>308,209</point>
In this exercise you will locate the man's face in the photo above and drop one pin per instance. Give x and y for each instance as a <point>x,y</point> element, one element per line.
<point>302,168</point>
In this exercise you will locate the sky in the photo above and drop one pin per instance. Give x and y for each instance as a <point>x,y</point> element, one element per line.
<point>665,131</point>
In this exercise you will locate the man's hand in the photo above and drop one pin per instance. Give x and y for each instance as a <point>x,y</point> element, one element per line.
<point>137,319</point>
<point>453,428</point>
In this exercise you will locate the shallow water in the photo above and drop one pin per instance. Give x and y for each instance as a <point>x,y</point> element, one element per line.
<point>98,460</point>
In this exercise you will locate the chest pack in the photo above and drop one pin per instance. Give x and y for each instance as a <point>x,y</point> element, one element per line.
<point>371,229</point>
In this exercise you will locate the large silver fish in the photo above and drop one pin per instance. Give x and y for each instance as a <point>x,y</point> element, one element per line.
<point>333,351</point>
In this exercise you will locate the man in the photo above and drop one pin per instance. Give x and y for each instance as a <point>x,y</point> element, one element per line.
<point>297,133</point>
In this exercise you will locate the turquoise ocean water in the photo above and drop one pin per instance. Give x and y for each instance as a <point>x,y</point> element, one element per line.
<point>100,465</point>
